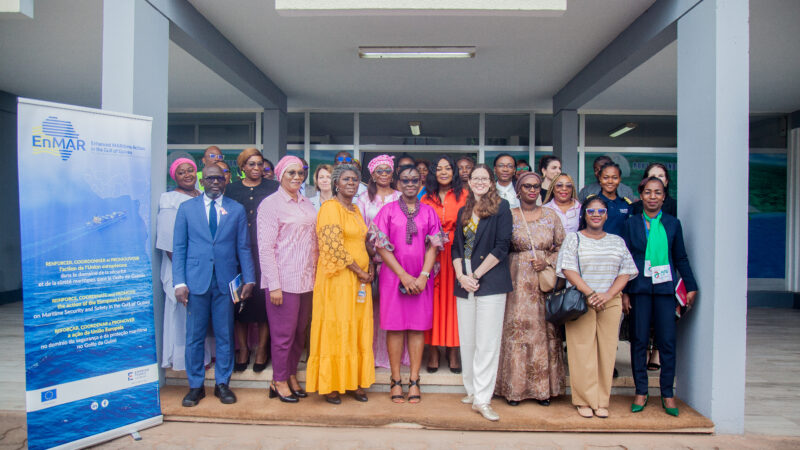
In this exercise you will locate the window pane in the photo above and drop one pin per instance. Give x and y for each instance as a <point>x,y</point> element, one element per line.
<point>507,129</point>
<point>766,243</point>
<point>768,131</point>
<point>435,129</point>
<point>295,129</point>
<point>633,165</point>
<point>215,134</point>
<point>651,131</point>
<point>544,129</point>
<point>180,134</point>
<point>331,128</point>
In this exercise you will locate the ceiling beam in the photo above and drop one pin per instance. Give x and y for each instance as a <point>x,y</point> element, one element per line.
<point>191,31</point>
<point>647,35</point>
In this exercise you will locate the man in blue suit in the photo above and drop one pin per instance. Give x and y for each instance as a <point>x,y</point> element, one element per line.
<point>210,243</point>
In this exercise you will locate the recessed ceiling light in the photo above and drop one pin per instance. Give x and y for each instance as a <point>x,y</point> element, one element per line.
<point>622,129</point>
<point>415,52</point>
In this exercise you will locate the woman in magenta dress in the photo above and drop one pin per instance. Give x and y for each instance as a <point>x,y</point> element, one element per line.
<point>407,235</point>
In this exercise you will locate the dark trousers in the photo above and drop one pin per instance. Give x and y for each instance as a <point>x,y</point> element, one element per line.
<point>660,311</point>
<point>214,307</point>
<point>287,329</point>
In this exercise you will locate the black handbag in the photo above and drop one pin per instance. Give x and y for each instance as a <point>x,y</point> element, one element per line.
<point>566,304</point>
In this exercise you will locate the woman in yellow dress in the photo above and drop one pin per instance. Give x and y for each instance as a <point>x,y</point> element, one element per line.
<point>341,356</point>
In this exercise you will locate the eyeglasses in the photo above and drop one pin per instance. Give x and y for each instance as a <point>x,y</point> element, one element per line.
<point>255,164</point>
<point>563,185</point>
<point>528,186</point>
<point>305,167</point>
<point>480,180</point>
<point>267,169</point>
<point>216,156</point>
<point>214,178</point>
<point>596,212</point>
<point>504,166</point>
<point>409,180</point>
<point>383,171</point>
<point>344,159</point>
<point>295,173</point>
<point>226,170</point>
<point>525,168</point>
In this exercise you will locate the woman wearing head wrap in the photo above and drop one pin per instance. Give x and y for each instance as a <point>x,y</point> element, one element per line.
<point>380,192</point>
<point>531,357</point>
<point>287,243</point>
<point>250,191</point>
<point>184,172</point>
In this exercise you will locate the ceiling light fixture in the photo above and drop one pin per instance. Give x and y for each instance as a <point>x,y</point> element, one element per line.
<point>622,129</point>
<point>415,130</point>
<point>415,52</point>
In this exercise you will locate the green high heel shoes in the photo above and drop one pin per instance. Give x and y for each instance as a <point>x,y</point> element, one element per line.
<point>670,411</point>
<point>639,408</point>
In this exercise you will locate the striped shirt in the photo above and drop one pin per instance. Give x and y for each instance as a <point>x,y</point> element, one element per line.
<point>287,243</point>
<point>601,260</point>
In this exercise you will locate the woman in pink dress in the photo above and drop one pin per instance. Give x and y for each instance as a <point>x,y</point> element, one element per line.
<point>407,235</point>
<point>380,192</point>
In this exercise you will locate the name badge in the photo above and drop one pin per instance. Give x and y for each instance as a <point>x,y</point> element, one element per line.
<point>661,274</point>
<point>624,211</point>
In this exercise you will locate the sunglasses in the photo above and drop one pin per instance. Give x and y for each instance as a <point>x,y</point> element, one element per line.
<point>267,169</point>
<point>525,168</point>
<point>226,170</point>
<point>344,159</point>
<point>214,179</point>
<point>596,211</point>
<point>562,185</point>
<point>295,173</point>
<point>255,164</point>
<point>215,156</point>
<point>528,186</point>
<point>383,171</point>
<point>409,180</point>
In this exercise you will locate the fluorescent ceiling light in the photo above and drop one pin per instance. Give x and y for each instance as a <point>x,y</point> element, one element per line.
<point>622,129</point>
<point>415,130</point>
<point>415,52</point>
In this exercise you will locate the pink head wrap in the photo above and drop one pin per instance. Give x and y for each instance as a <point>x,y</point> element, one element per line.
<point>380,160</point>
<point>284,164</point>
<point>177,163</point>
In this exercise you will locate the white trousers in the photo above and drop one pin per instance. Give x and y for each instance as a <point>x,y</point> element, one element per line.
<point>480,332</point>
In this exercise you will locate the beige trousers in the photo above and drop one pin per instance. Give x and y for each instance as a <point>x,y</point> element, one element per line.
<point>591,352</point>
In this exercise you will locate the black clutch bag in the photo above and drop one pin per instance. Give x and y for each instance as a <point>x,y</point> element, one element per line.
<point>566,304</point>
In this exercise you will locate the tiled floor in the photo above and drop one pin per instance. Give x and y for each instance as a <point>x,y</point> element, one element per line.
<point>773,368</point>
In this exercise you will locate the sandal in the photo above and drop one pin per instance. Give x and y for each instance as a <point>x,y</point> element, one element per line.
<point>418,398</point>
<point>397,398</point>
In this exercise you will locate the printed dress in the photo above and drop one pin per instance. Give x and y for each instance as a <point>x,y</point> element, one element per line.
<point>341,328</point>
<point>531,355</point>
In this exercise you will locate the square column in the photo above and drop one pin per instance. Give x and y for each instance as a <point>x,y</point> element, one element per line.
<point>273,134</point>
<point>793,207</point>
<point>713,96</point>
<point>565,140</point>
<point>135,80</point>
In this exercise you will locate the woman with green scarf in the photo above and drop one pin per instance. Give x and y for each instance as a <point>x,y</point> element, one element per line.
<point>655,240</point>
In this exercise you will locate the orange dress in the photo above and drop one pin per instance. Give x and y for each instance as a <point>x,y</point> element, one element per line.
<point>445,321</point>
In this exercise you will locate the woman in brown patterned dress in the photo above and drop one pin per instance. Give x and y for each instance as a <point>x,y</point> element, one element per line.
<point>531,356</point>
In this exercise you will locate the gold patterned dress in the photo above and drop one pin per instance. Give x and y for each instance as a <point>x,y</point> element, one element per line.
<point>340,356</point>
<point>531,355</point>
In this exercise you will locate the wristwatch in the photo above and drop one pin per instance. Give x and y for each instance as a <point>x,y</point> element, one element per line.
<point>474,276</point>
<point>427,274</point>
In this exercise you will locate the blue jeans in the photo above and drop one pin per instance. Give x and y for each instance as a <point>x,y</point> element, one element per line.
<point>660,311</point>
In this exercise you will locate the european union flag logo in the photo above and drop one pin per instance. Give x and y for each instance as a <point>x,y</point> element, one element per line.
<point>48,395</point>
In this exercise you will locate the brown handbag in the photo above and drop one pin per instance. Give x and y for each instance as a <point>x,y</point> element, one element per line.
<point>547,277</point>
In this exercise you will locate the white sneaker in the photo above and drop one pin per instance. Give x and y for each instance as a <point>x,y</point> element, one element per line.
<point>468,399</point>
<point>486,411</point>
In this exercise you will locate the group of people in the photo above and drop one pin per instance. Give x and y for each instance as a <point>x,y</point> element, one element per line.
<point>449,254</point>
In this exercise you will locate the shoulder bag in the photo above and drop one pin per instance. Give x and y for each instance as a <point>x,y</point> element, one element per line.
<point>569,303</point>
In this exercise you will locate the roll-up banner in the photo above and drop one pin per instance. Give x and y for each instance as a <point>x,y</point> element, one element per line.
<point>84,196</point>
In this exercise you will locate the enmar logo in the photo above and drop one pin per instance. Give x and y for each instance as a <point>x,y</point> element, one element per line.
<point>56,137</point>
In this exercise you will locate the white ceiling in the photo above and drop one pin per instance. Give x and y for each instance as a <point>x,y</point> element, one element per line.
<point>521,61</point>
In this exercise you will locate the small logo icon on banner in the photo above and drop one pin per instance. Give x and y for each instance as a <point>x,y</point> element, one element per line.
<point>48,395</point>
<point>56,137</point>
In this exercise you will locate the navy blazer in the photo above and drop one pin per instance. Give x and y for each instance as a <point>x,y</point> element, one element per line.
<point>492,237</point>
<point>196,255</point>
<point>635,237</point>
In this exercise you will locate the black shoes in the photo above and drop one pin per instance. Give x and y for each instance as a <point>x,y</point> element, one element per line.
<point>362,397</point>
<point>333,399</point>
<point>300,393</point>
<point>224,393</point>
<point>273,392</point>
<point>194,396</point>
<point>241,367</point>
<point>545,402</point>
<point>513,402</point>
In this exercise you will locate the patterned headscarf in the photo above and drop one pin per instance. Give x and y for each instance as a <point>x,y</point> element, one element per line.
<point>175,164</point>
<point>380,160</point>
<point>284,164</point>
<point>524,177</point>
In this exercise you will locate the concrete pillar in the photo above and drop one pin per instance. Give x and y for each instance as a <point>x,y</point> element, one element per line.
<point>10,257</point>
<point>135,80</point>
<point>713,92</point>
<point>793,206</point>
<point>273,134</point>
<point>565,140</point>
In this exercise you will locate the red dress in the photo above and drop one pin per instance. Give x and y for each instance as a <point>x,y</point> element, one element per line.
<point>445,321</point>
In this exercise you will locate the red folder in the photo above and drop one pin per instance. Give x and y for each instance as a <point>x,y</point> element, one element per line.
<point>680,296</point>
